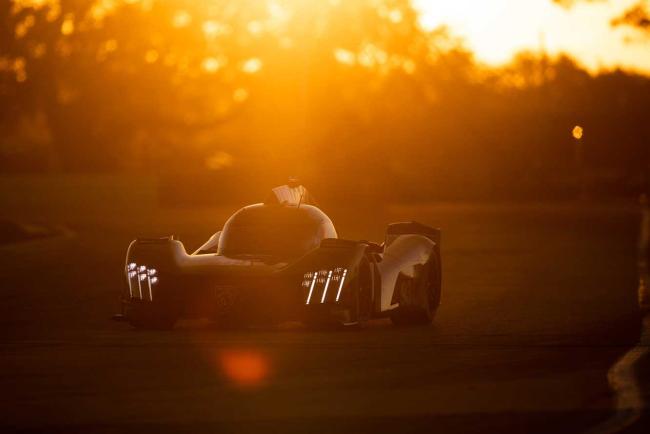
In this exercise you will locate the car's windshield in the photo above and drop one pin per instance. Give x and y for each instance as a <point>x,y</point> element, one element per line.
<point>277,231</point>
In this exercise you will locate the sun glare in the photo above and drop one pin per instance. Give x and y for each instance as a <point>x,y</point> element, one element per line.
<point>497,29</point>
<point>494,30</point>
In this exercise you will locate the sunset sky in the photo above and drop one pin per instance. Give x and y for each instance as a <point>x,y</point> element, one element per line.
<point>495,29</point>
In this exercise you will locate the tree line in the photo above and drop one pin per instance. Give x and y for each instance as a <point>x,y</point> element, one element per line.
<point>339,92</point>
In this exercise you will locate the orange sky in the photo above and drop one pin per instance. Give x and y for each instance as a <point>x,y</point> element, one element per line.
<point>495,29</point>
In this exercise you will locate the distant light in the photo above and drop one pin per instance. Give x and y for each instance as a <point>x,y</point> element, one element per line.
<point>408,66</point>
<point>181,19</point>
<point>100,10</point>
<point>151,56</point>
<point>53,12</point>
<point>211,64</point>
<point>132,266</point>
<point>277,11</point>
<point>371,55</point>
<point>344,56</point>
<point>67,27</point>
<point>395,16</point>
<point>23,27</point>
<point>577,132</point>
<point>154,280</point>
<point>212,28</point>
<point>251,66</point>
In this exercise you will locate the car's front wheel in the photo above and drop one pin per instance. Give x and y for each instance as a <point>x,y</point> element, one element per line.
<point>419,296</point>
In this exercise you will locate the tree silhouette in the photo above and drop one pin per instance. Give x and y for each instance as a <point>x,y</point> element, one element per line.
<point>123,79</point>
<point>322,89</point>
<point>637,16</point>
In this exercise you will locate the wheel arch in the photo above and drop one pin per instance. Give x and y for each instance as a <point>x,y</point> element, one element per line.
<point>406,245</point>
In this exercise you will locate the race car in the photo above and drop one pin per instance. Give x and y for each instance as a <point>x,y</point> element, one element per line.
<point>281,260</point>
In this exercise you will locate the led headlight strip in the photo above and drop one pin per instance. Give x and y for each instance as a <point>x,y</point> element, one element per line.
<point>139,274</point>
<point>321,280</point>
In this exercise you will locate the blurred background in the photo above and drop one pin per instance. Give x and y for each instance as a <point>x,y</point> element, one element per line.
<point>200,102</point>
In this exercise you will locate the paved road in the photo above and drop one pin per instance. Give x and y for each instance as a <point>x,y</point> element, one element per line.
<point>539,301</point>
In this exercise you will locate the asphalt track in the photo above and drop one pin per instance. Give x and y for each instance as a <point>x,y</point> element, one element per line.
<point>539,302</point>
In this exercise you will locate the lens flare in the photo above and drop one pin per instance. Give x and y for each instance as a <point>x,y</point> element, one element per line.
<point>246,368</point>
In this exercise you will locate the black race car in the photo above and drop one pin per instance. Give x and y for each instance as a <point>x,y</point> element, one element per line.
<point>281,260</point>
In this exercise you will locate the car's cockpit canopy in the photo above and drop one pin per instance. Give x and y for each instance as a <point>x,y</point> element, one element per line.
<point>273,230</point>
<point>287,225</point>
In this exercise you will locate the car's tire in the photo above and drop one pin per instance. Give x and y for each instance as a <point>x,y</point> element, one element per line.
<point>150,317</point>
<point>427,285</point>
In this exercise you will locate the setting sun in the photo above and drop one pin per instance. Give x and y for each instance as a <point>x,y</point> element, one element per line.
<point>496,29</point>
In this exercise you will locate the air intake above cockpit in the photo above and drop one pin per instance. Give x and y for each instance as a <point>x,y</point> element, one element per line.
<point>291,194</point>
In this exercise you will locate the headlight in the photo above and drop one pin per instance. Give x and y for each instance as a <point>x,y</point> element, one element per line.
<point>141,279</point>
<point>324,283</point>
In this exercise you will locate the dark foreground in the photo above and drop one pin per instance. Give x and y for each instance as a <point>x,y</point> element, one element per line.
<point>538,303</point>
